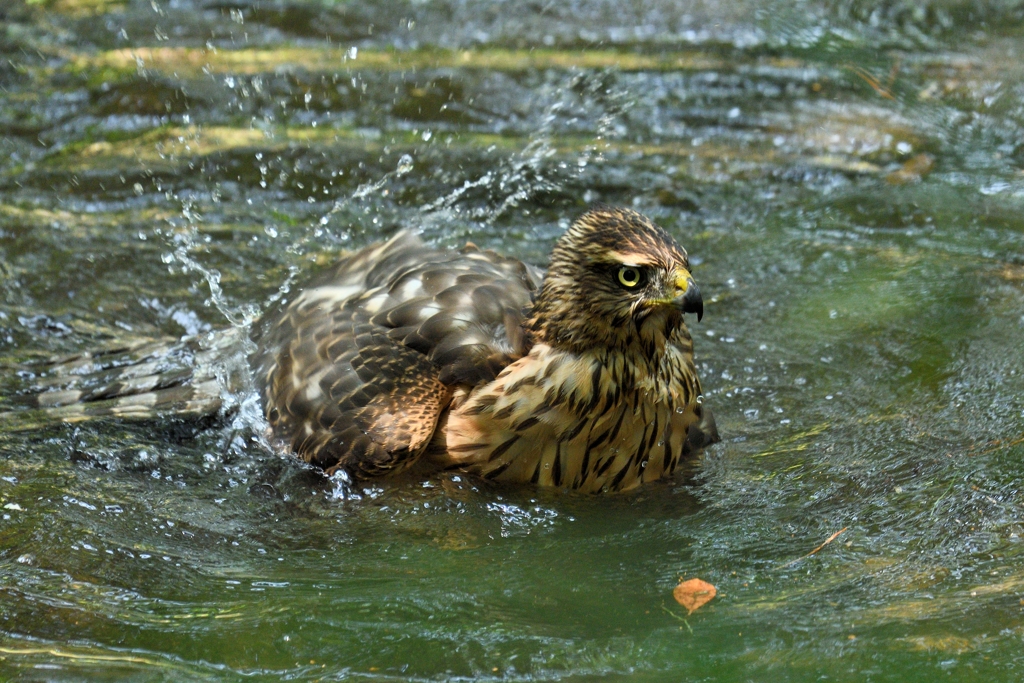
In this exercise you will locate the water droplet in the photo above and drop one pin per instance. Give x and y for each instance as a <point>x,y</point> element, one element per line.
<point>994,188</point>
<point>404,165</point>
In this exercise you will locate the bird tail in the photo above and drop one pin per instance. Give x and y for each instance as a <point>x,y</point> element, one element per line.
<point>195,376</point>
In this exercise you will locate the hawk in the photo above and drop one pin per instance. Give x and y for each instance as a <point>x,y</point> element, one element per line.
<point>581,377</point>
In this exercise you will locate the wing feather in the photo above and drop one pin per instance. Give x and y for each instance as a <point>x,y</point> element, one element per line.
<point>356,371</point>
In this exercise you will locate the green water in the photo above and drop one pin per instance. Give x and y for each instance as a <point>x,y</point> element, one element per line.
<point>862,344</point>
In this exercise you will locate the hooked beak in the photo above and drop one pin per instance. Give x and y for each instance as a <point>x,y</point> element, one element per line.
<point>688,298</point>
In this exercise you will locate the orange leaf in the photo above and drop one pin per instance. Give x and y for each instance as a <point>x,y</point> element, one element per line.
<point>694,594</point>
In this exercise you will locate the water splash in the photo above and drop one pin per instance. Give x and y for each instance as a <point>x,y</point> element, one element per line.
<point>238,395</point>
<point>531,171</point>
<point>405,165</point>
<point>517,179</point>
<point>184,243</point>
<point>342,487</point>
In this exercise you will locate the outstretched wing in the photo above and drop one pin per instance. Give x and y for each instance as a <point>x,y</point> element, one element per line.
<point>357,369</point>
<point>143,379</point>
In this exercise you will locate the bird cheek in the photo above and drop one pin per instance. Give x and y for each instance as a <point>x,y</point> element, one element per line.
<point>638,320</point>
<point>638,313</point>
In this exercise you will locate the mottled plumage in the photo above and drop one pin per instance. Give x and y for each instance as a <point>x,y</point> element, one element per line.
<point>580,377</point>
<point>583,379</point>
<point>356,371</point>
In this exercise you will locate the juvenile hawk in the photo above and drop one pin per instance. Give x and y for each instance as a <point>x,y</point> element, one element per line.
<point>581,377</point>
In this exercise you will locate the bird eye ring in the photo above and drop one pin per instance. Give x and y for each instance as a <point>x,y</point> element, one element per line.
<point>629,276</point>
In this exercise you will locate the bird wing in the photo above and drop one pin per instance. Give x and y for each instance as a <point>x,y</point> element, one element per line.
<point>138,379</point>
<point>357,369</point>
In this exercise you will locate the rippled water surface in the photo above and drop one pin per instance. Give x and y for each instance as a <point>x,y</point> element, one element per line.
<point>848,177</point>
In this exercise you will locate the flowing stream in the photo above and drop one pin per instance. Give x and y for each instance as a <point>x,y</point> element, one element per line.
<point>848,178</point>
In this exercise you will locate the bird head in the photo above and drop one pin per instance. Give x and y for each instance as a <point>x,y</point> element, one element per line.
<point>615,279</point>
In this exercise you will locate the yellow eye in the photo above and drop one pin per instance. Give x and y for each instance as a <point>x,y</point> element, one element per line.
<point>629,276</point>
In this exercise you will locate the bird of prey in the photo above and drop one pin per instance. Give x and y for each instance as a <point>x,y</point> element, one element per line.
<point>581,377</point>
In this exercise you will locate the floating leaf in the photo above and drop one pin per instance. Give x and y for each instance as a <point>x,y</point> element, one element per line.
<point>694,594</point>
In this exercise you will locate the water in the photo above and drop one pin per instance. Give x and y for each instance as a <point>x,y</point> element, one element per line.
<point>847,177</point>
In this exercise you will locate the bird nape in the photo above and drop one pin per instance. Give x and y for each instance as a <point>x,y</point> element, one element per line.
<point>581,377</point>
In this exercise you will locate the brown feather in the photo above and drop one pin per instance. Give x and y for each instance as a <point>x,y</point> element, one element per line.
<point>568,378</point>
